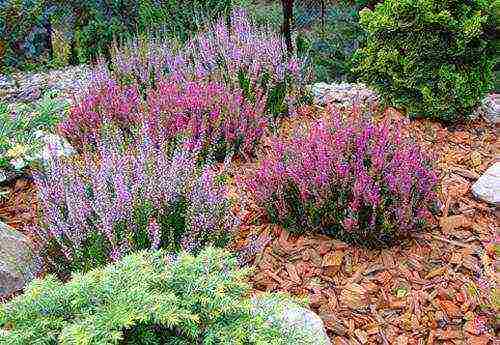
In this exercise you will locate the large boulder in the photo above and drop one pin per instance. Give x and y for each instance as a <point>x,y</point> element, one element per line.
<point>301,325</point>
<point>17,261</point>
<point>487,187</point>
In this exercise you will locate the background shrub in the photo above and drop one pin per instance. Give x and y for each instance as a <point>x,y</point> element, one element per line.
<point>127,197</point>
<point>146,298</point>
<point>26,26</point>
<point>330,43</point>
<point>433,58</point>
<point>348,177</point>
<point>23,33</point>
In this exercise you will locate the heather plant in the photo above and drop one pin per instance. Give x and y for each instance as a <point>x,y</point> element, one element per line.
<point>217,121</point>
<point>349,177</point>
<point>147,298</point>
<point>433,58</point>
<point>241,55</point>
<point>105,102</point>
<point>127,197</point>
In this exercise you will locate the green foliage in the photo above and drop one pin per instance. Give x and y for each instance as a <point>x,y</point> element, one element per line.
<point>92,25</point>
<point>329,44</point>
<point>433,58</point>
<point>264,14</point>
<point>146,298</point>
<point>22,35</point>
<point>20,131</point>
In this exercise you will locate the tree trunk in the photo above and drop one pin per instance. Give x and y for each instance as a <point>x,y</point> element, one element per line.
<point>287,20</point>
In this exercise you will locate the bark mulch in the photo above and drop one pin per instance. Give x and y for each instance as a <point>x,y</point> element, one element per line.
<point>435,288</point>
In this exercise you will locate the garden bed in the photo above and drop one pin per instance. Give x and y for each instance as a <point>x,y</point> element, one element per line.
<point>436,287</point>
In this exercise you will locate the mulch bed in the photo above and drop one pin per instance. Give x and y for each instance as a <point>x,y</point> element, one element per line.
<point>19,203</point>
<point>435,288</point>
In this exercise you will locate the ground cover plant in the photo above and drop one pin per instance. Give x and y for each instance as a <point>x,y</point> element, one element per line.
<point>145,298</point>
<point>433,58</point>
<point>349,177</point>
<point>22,129</point>
<point>125,198</point>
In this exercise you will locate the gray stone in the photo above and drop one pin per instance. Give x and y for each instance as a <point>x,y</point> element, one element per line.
<point>490,108</point>
<point>343,95</point>
<point>487,187</point>
<point>26,87</point>
<point>53,146</point>
<point>299,324</point>
<point>17,261</point>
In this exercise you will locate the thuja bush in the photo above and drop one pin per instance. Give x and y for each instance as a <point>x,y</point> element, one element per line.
<point>433,58</point>
<point>125,198</point>
<point>349,177</point>
<point>145,298</point>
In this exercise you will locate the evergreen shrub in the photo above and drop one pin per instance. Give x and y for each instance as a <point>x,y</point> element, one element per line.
<point>433,58</point>
<point>145,298</point>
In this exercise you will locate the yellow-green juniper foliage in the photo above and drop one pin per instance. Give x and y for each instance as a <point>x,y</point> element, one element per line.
<point>146,298</point>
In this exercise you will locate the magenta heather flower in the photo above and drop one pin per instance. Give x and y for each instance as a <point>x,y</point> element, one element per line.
<point>104,102</point>
<point>347,176</point>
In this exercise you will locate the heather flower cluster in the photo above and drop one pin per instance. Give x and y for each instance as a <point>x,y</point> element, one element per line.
<point>240,55</point>
<point>125,199</point>
<point>348,177</point>
<point>105,102</point>
<point>216,121</point>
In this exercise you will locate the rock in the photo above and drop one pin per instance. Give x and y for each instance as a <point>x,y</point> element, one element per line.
<point>487,188</point>
<point>343,95</point>
<point>301,325</point>
<point>490,108</point>
<point>53,146</point>
<point>26,87</point>
<point>17,261</point>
